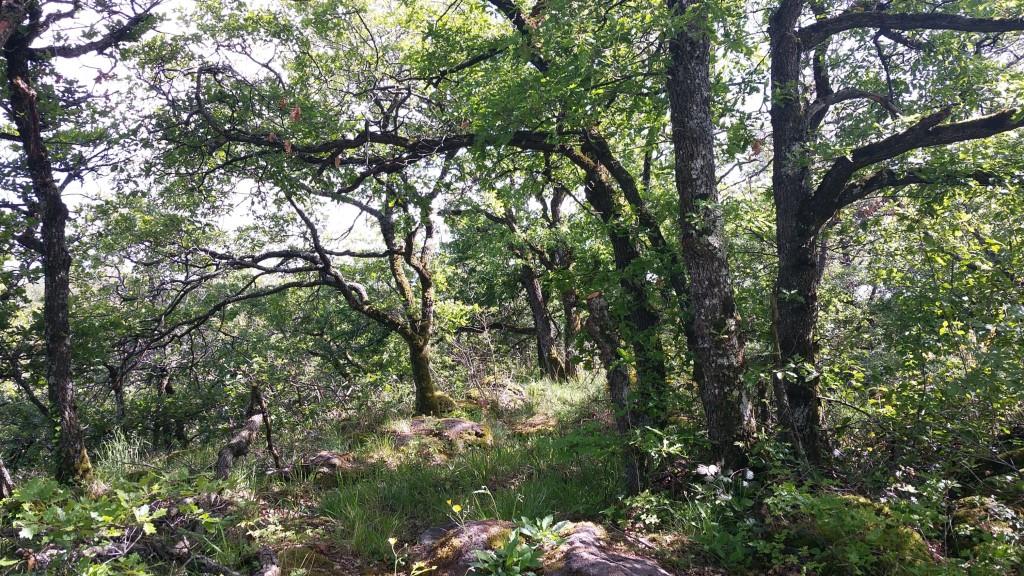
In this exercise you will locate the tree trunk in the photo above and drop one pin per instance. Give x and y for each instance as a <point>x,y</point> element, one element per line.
<point>570,330</point>
<point>114,375</point>
<point>6,484</point>
<point>161,421</point>
<point>717,348</point>
<point>426,395</point>
<point>643,323</point>
<point>72,460</point>
<point>601,329</point>
<point>795,312</point>
<point>548,357</point>
<point>794,306</point>
<point>256,399</point>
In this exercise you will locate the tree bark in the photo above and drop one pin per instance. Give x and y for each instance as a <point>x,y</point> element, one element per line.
<point>238,446</point>
<point>643,323</point>
<point>602,330</point>
<point>803,209</point>
<point>795,315</point>
<point>116,381</point>
<point>573,323</point>
<point>6,484</point>
<point>714,337</point>
<point>71,458</point>
<point>548,357</point>
<point>426,394</point>
<point>162,427</point>
<point>794,305</point>
<point>257,399</point>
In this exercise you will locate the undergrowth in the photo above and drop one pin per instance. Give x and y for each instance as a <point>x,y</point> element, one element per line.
<point>565,466</point>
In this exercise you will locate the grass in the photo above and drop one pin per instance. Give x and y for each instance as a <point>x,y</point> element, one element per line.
<point>120,456</point>
<point>571,470</point>
<point>567,464</point>
<point>572,475</point>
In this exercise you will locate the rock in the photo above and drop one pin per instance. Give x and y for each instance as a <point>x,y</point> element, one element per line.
<point>538,423</point>
<point>585,551</point>
<point>444,402</point>
<point>308,560</point>
<point>979,518</point>
<point>831,526</point>
<point>499,396</point>
<point>325,465</point>
<point>433,535</point>
<point>457,432</point>
<point>511,398</point>
<point>327,462</point>
<point>452,553</point>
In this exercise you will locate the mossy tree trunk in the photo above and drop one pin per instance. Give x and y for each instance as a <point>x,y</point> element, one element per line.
<point>573,323</point>
<point>602,331</point>
<point>549,357</point>
<point>71,461</point>
<point>423,380</point>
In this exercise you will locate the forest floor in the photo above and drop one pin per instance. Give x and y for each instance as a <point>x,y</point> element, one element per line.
<point>363,487</point>
<point>556,454</point>
<point>373,487</point>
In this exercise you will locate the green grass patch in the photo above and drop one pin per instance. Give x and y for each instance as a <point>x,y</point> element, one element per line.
<point>572,475</point>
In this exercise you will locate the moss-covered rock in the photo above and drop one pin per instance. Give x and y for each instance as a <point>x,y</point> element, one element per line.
<point>536,424</point>
<point>465,432</point>
<point>586,550</point>
<point>850,534</point>
<point>452,551</point>
<point>307,560</point>
<point>444,403</point>
<point>456,432</point>
<point>977,519</point>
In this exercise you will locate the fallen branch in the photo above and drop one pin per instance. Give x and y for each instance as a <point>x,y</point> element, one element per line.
<point>238,446</point>
<point>257,399</point>
<point>181,553</point>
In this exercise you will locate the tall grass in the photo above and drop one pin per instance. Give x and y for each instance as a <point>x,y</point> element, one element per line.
<point>120,456</point>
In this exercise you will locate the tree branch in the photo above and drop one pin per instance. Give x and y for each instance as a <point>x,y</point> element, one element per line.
<point>814,34</point>
<point>821,105</point>
<point>832,193</point>
<point>123,33</point>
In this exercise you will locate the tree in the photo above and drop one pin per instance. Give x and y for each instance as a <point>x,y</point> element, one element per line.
<point>715,338</point>
<point>394,139</point>
<point>409,248</point>
<point>812,183</point>
<point>29,99</point>
<point>528,214</point>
